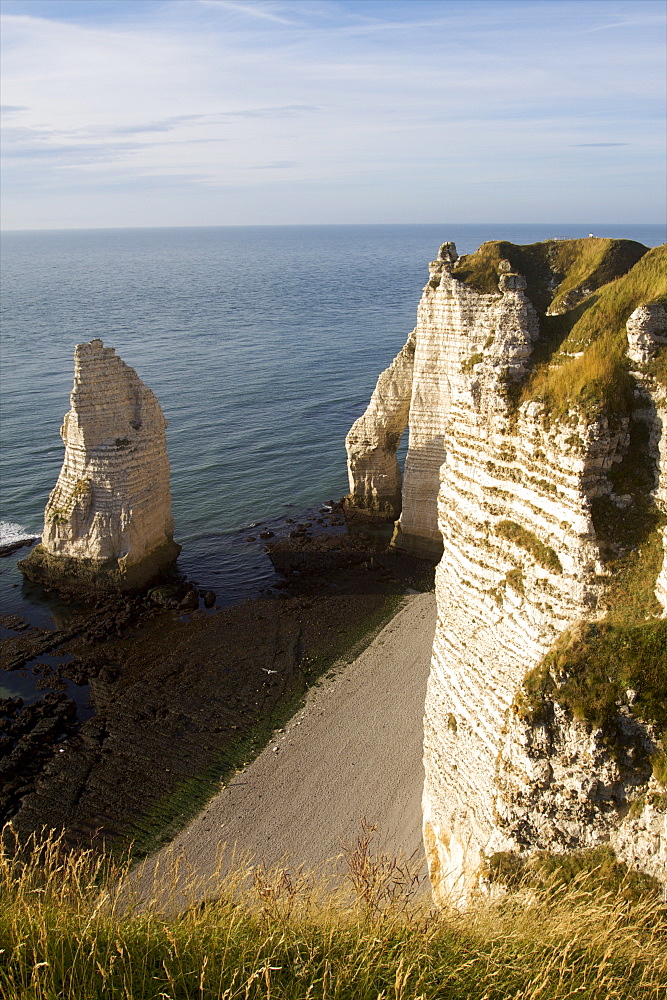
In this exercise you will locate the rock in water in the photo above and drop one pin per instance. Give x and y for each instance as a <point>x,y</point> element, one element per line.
<point>108,523</point>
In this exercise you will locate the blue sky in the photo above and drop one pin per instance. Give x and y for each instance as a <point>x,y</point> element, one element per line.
<point>244,112</point>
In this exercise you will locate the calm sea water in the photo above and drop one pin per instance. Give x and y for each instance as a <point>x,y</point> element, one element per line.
<point>263,345</point>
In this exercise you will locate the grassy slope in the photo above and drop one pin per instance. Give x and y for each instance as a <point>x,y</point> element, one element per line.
<point>606,280</point>
<point>553,268</point>
<point>287,936</point>
<point>595,330</point>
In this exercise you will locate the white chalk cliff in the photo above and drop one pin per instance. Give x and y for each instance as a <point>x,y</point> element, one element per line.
<point>415,392</point>
<point>108,522</point>
<point>526,497</point>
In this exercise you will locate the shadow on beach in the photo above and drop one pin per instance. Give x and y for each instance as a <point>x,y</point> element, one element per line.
<point>182,700</point>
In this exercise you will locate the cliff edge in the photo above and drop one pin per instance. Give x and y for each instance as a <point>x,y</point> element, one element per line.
<point>536,465</point>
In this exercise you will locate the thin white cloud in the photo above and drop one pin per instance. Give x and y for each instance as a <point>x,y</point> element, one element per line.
<point>254,10</point>
<point>333,107</point>
<point>276,165</point>
<point>656,20</point>
<point>162,125</point>
<point>278,111</point>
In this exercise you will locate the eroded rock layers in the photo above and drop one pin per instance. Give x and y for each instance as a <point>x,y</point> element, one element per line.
<point>484,309</point>
<point>373,471</point>
<point>534,526</point>
<point>108,523</point>
<point>537,462</point>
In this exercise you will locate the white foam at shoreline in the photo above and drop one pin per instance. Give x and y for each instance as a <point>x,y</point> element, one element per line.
<point>11,532</point>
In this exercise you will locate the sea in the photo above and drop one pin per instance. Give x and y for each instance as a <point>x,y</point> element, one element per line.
<point>262,343</point>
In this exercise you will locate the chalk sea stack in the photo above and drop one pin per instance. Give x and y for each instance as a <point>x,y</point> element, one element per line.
<point>108,525</point>
<point>535,389</point>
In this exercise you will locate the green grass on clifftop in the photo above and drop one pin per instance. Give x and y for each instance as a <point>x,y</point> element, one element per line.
<point>554,269</point>
<point>589,367</point>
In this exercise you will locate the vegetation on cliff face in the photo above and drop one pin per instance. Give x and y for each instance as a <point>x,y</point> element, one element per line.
<point>584,292</point>
<point>596,667</point>
<point>598,866</point>
<point>69,929</point>
<point>541,553</point>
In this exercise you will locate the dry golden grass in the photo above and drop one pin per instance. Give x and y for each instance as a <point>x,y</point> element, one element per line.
<point>580,358</point>
<point>599,375</point>
<point>65,934</point>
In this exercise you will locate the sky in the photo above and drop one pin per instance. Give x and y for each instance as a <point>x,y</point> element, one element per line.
<point>269,112</point>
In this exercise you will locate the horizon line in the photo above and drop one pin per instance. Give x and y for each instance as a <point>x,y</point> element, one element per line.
<point>314,225</point>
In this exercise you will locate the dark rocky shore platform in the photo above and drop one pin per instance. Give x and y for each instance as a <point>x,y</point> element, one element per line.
<point>183,697</point>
